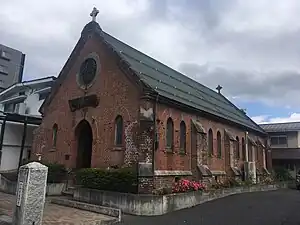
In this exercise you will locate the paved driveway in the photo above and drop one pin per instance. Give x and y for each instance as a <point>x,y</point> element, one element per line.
<point>260,208</point>
<point>54,214</point>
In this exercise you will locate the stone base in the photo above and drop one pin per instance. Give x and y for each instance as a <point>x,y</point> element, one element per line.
<point>145,185</point>
<point>153,205</point>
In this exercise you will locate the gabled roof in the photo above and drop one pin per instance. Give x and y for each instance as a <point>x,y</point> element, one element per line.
<point>167,82</point>
<point>281,127</point>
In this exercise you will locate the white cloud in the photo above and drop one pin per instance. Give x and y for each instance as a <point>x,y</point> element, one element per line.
<point>294,117</point>
<point>250,47</point>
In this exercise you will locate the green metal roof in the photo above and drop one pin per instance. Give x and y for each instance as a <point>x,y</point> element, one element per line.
<point>176,86</point>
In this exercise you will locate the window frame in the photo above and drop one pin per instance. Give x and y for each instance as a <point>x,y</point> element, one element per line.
<point>277,138</point>
<point>238,155</point>
<point>119,131</point>
<point>183,136</point>
<point>210,144</point>
<point>54,135</point>
<point>170,134</point>
<point>219,144</point>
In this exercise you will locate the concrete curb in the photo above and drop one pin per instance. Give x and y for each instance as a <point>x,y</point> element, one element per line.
<point>154,205</point>
<point>112,212</point>
<point>5,220</point>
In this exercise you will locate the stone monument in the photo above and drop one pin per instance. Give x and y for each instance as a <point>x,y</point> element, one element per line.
<point>31,194</point>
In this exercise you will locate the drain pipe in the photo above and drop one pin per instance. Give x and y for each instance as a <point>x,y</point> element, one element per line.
<point>154,136</point>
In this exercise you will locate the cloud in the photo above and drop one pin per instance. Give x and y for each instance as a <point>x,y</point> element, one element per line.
<point>293,117</point>
<point>250,47</point>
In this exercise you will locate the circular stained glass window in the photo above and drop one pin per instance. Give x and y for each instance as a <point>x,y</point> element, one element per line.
<point>88,70</point>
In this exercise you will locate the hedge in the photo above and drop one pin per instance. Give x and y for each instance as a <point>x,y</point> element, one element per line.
<point>282,174</point>
<point>119,180</point>
<point>57,173</point>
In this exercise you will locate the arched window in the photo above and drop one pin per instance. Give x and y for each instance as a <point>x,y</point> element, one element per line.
<point>54,134</point>
<point>237,147</point>
<point>119,130</point>
<point>243,149</point>
<point>219,144</point>
<point>210,142</point>
<point>170,133</point>
<point>182,137</point>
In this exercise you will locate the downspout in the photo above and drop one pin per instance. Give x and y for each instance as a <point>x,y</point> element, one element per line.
<point>23,141</point>
<point>246,164</point>
<point>2,136</point>
<point>246,147</point>
<point>154,136</point>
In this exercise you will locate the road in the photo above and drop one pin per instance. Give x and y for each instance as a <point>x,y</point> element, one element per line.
<point>261,208</point>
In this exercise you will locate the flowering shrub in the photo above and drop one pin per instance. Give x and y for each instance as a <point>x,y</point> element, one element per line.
<point>268,180</point>
<point>185,185</point>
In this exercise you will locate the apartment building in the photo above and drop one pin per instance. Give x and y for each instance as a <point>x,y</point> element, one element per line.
<point>19,116</point>
<point>285,144</point>
<point>11,66</point>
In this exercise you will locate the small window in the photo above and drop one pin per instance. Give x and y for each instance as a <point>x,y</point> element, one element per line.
<point>182,137</point>
<point>5,55</point>
<point>243,149</point>
<point>43,96</point>
<point>237,147</point>
<point>9,107</point>
<point>210,142</point>
<point>119,130</point>
<point>282,140</point>
<point>279,140</point>
<point>219,144</point>
<point>170,133</point>
<point>54,135</point>
<point>3,70</point>
<point>88,70</point>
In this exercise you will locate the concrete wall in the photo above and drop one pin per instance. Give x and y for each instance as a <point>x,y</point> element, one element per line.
<point>12,145</point>
<point>152,205</point>
<point>10,187</point>
<point>33,104</point>
<point>7,186</point>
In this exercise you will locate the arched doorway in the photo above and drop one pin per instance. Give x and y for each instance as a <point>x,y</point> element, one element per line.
<point>84,136</point>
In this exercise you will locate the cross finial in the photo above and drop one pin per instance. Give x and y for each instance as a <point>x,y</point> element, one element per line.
<point>94,13</point>
<point>219,88</point>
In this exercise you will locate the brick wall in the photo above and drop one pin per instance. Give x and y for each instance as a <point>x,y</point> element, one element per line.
<point>117,96</point>
<point>176,161</point>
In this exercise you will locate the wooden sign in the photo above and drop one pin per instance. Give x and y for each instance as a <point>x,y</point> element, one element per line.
<point>20,193</point>
<point>83,102</point>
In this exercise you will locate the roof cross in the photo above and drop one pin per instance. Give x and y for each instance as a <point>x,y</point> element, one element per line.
<point>219,88</point>
<point>94,14</point>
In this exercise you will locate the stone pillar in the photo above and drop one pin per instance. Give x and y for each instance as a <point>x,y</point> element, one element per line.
<point>231,153</point>
<point>246,148</point>
<point>264,158</point>
<point>31,194</point>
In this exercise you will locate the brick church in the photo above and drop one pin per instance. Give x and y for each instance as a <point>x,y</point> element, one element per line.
<point>112,105</point>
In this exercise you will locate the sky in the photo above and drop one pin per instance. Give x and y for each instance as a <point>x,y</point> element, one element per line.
<point>249,47</point>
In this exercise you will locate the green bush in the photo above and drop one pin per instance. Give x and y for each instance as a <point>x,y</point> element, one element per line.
<point>57,173</point>
<point>282,174</point>
<point>120,180</point>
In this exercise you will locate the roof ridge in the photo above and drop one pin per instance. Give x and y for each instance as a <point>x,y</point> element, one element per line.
<point>257,125</point>
<point>261,124</point>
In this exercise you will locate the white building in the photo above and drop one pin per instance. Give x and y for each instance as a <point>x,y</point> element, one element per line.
<point>19,116</point>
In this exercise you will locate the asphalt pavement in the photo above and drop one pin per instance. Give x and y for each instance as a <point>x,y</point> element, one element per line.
<point>280,207</point>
